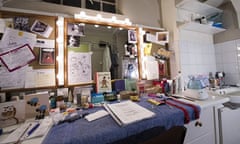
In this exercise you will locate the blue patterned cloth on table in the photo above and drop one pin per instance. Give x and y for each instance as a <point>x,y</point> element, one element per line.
<point>105,130</point>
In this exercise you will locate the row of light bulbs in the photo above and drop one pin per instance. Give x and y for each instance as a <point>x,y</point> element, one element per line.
<point>99,17</point>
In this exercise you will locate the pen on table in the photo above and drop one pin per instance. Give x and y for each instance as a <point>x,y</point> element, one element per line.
<point>26,129</point>
<point>33,129</point>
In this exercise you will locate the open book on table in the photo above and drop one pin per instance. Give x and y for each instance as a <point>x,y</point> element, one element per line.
<point>128,112</point>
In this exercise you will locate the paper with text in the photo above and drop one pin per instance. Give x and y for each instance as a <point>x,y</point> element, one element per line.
<point>128,112</point>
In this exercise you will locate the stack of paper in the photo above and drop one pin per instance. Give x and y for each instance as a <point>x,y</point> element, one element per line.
<point>23,131</point>
<point>128,112</point>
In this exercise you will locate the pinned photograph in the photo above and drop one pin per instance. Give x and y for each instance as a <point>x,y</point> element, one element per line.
<point>132,36</point>
<point>73,41</point>
<point>41,28</point>
<point>47,56</point>
<point>21,23</point>
<point>76,29</point>
<point>162,37</point>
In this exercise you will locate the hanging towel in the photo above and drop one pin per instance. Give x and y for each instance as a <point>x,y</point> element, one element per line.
<point>106,59</point>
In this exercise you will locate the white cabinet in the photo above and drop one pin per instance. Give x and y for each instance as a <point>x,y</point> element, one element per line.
<point>203,134</point>
<point>194,7</point>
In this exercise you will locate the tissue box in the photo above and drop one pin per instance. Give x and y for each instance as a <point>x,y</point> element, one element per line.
<point>97,97</point>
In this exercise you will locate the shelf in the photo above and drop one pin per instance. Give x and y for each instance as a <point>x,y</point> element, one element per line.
<point>198,7</point>
<point>203,28</point>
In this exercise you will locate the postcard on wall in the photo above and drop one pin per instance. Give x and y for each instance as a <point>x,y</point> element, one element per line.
<point>76,29</point>
<point>46,56</point>
<point>130,68</point>
<point>103,82</point>
<point>21,23</point>
<point>152,71</point>
<point>18,57</point>
<point>150,37</point>
<point>12,113</point>
<point>132,36</point>
<point>162,37</point>
<point>73,41</point>
<point>45,43</point>
<point>41,28</point>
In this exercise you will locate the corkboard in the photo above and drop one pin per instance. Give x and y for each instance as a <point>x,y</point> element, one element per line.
<point>49,20</point>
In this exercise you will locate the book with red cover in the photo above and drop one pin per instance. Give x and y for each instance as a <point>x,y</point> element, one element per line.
<point>103,82</point>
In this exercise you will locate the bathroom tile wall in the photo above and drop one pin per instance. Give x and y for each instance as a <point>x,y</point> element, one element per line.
<point>197,54</point>
<point>227,60</point>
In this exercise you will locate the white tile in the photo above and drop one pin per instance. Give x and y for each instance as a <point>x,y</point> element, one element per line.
<point>185,58</point>
<point>198,48</point>
<point>183,46</point>
<point>231,68</point>
<point>229,46</point>
<point>192,58</point>
<point>218,49</point>
<point>219,67</point>
<point>218,58</point>
<point>229,57</point>
<point>208,59</point>
<point>211,49</point>
<point>231,79</point>
<point>212,59</point>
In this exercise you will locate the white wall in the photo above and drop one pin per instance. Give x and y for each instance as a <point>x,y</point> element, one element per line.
<point>227,60</point>
<point>197,53</point>
<point>145,12</point>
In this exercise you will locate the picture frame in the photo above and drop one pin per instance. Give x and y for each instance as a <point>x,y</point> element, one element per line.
<point>47,56</point>
<point>162,37</point>
<point>132,36</point>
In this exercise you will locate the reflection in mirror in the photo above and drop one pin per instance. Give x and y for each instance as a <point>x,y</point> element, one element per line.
<point>109,47</point>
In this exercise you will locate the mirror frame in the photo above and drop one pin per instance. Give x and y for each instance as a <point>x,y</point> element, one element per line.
<point>93,22</point>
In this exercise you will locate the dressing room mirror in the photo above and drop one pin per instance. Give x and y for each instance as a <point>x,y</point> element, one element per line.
<point>107,48</point>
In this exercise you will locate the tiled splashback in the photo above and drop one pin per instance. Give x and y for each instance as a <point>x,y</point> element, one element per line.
<point>197,54</point>
<point>227,60</point>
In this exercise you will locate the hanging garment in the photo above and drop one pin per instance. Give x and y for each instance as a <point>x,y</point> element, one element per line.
<point>106,59</point>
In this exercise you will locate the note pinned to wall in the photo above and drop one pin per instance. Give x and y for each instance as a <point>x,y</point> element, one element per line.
<point>79,67</point>
<point>13,79</point>
<point>40,78</point>
<point>13,39</point>
<point>18,57</point>
<point>152,70</point>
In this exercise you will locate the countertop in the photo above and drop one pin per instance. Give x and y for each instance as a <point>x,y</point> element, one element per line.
<point>212,100</point>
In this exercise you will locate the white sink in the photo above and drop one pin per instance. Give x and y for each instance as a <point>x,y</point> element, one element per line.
<point>232,92</point>
<point>234,97</point>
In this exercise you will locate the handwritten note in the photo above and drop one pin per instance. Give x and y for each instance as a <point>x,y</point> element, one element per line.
<point>18,57</point>
<point>13,39</point>
<point>13,79</point>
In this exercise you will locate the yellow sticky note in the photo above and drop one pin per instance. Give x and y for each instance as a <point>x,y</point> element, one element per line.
<point>20,33</point>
